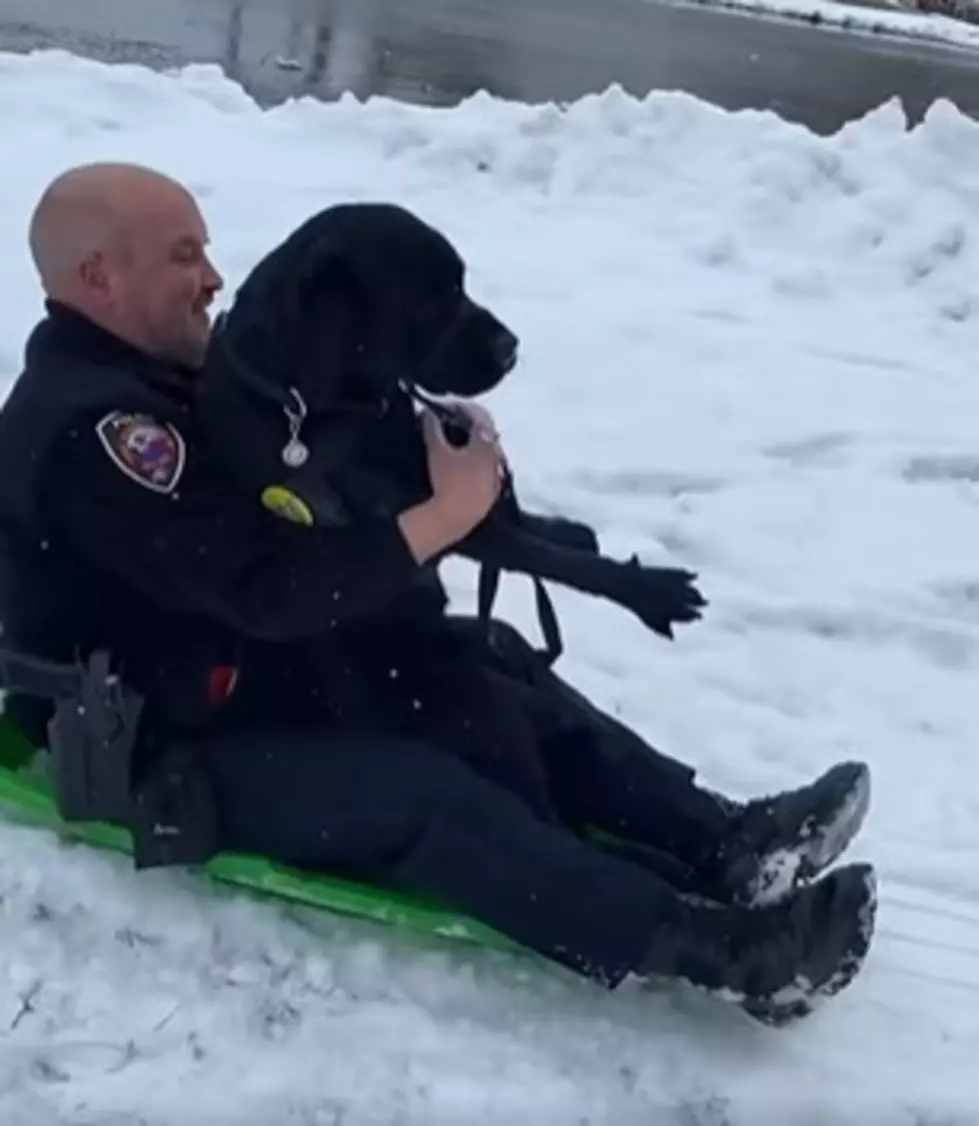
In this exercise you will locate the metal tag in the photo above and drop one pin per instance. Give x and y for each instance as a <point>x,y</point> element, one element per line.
<point>295,453</point>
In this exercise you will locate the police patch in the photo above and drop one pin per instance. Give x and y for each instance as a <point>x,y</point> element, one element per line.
<point>150,453</point>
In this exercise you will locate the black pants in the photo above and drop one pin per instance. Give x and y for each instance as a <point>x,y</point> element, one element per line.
<point>404,811</point>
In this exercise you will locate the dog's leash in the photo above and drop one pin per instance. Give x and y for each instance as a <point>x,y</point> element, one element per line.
<point>488,584</point>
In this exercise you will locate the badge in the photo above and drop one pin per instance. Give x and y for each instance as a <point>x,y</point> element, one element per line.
<point>148,452</point>
<point>295,451</point>
<point>278,499</point>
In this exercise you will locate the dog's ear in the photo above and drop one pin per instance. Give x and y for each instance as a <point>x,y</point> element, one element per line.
<point>349,344</point>
<point>325,334</point>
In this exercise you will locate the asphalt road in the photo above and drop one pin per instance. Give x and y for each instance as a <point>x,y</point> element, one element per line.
<point>533,50</point>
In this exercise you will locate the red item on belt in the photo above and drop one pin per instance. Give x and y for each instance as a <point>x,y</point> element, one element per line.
<point>221,681</point>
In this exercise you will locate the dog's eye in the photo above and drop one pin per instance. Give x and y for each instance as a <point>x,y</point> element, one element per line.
<point>444,285</point>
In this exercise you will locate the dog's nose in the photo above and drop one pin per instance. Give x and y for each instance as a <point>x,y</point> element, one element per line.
<point>505,348</point>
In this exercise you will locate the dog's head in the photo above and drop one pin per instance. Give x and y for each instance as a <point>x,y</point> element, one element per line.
<point>359,301</point>
<point>363,297</point>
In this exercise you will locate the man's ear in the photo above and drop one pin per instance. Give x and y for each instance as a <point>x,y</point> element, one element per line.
<point>93,274</point>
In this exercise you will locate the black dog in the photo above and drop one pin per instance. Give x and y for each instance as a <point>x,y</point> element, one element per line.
<point>313,380</point>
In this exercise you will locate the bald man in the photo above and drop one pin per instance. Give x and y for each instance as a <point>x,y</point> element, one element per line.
<point>122,534</point>
<point>126,247</point>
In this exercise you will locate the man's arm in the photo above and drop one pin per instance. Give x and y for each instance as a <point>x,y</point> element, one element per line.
<point>168,532</point>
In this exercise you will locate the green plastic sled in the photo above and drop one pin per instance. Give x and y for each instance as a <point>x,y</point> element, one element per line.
<point>25,795</point>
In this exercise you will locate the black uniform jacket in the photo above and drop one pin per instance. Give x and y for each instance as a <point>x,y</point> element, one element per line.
<point>120,531</point>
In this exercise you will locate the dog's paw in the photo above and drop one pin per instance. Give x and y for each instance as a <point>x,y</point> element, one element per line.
<point>661,597</point>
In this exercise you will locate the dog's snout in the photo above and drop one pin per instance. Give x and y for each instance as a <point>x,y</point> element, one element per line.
<point>504,348</point>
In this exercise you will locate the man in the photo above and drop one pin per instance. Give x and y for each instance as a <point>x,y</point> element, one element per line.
<point>121,533</point>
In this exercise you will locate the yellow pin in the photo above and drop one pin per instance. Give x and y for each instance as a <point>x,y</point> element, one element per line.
<point>284,503</point>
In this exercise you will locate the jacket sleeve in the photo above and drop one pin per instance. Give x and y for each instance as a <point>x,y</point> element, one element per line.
<point>186,545</point>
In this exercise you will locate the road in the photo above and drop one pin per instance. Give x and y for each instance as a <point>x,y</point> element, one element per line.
<point>532,50</point>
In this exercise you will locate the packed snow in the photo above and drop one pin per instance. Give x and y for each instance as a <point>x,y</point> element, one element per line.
<point>746,349</point>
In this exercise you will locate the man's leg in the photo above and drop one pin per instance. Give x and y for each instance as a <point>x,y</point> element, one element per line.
<point>403,815</point>
<point>605,775</point>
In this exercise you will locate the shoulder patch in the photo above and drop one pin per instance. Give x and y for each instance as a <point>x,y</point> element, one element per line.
<point>149,452</point>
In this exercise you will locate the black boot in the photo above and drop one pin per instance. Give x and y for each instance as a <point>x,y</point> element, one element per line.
<point>779,960</point>
<point>775,843</point>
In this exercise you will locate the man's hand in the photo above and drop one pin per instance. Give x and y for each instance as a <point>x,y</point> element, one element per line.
<point>481,419</point>
<point>466,482</point>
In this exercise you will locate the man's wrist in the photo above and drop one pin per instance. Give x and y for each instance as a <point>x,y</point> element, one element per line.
<point>428,529</point>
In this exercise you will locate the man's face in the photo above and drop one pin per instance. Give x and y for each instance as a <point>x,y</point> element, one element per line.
<point>160,281</point>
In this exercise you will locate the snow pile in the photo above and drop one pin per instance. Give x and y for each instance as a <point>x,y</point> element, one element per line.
<point>745,348</point>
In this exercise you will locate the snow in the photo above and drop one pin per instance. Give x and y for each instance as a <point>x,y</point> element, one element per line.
<point>746,348</point>
<point>895,18</point>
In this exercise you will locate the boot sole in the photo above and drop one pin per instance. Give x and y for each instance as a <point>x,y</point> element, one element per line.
<point>789,868</point>
<point>801,1000</point>
<point>836,836</point>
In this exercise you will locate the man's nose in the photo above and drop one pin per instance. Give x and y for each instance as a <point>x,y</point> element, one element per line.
<point>213,282</point>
